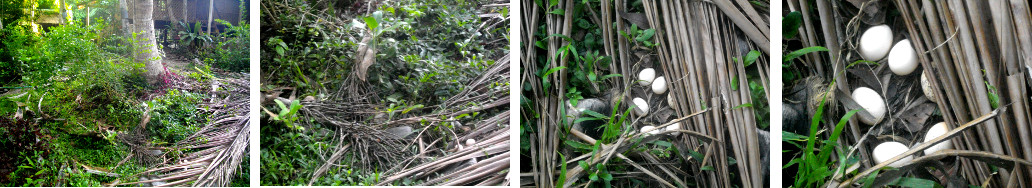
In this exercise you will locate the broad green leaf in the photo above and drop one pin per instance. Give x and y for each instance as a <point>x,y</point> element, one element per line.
<point>751,57</point>
<point>371,22</point>
<point>790,24</point>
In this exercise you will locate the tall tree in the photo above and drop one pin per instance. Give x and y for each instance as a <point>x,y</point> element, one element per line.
<point>143,21</point>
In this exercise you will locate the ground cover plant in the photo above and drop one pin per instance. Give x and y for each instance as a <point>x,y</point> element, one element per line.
<point>941,112</point>
<point>81,105</point>
<point>411,92</point>
<point>644,94</point>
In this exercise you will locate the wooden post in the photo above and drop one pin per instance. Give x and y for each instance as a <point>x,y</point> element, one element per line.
<point>211,9</point>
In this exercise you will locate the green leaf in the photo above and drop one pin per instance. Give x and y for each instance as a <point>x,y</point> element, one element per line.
<point>646,35</point>
<point>562,172</point>
<point>707,168</point>
<point>607,177</point>
<point>411,107</point>
<point>743,106</point>
<point>283,107</point>
<point>790,24</point>
<point>558,12</point>
<point>294,107</point>
<point>790,56</point>
<point>585,119</point>
<point>734,83</point>
<point>552,70</point>
<point>751,57</point>
<point>371,22</point>
<point>595,114</point>
<point>610,76</point>
<point>662,143</point>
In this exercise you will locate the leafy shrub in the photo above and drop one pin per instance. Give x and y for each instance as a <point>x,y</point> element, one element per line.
<point>427,49</point>
<point>174,116</point>
<point>14,39</point>
<point>230,51</point>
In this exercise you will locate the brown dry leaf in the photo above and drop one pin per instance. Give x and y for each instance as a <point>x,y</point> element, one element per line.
<point>916,117</point>
<point>368,60</point>
<point>368,57</point>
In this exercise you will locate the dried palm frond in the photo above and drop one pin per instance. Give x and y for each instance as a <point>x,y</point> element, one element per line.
<point>375,148</point>
<point>462,166</point>
<point>218,148</point>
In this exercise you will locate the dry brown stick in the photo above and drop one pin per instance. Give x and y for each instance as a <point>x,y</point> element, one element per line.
<point>333,159</point>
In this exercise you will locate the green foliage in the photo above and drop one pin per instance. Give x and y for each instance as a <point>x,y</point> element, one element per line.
<point>788,76</point>
<point>426,49</point>
<point>289,114</point>
<point>192,38</point>
<point>286,151</point>
<point>10,13</point>
<point>230,50</point>
<point>790,24</point>
<point>174,117</point>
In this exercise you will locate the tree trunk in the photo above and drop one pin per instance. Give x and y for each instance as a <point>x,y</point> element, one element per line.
<point>64,15</point>
<point>211,9</point>
<point>127,28</point>
<point>144,23</point>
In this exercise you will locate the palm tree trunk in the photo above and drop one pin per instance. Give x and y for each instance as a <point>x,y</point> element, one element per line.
<point>211,9</point>
<point>64,15</point>
<point>144,25</point>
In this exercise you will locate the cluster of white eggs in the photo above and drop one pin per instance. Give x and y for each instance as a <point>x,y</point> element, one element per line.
<point>902,60</point>
<point>647,77</point>
<point>875,43</point>
<point>887,150</point>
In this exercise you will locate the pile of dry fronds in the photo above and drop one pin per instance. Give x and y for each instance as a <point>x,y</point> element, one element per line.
<point>977,55</point>
<point>431,157</point>
<point>695,44</point>
<point>218,148</point>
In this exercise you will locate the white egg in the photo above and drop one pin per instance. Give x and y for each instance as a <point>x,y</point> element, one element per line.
<point>643,107</point>
<point>659,86</point>
<point>674,127</point>
<point>470,142</point>
<point>876,42</point>
<point>927,88</point>
<point>885,151</point>
<point>872,102</point>
<point>937,130</point>
<point>903,58</point>
<point>646,76</point>
<point>649,129</point>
